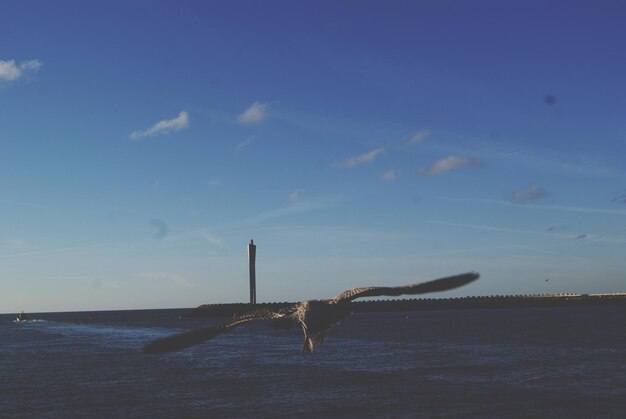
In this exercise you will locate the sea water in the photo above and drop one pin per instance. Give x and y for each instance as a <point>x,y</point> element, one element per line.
<point>533,362</point>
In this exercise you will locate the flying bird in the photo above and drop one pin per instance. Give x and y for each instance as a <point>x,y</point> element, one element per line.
<point>315,317</point>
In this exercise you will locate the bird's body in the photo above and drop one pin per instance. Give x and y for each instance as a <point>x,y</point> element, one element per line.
<point>315,317</point>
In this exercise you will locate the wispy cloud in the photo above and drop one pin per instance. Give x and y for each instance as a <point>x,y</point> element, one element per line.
<point>163,127</point>
<point>194,235</point>
<point>530,193</point>
<point>521,154</point>
<point>593,238</point>
<point>299,207</point>
<point>72,251</point>
<point>161,229</point>
<point>294,196</point>
<point>16,244</point>
<point>501,229</point>
<point>389,175</point>
<point>98,284</point>
<point>255,114</point>
<point>355,161</point>
<point>11,71</point>
<point>620,199</point>
<point>244,144</point>
<point>450,163</point>
<point>211,238</point>
<point>541,207</point>
<point>418,137</point>
<point>167,276</point>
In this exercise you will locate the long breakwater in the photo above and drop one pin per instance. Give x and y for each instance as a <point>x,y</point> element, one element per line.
<point>417,304</point>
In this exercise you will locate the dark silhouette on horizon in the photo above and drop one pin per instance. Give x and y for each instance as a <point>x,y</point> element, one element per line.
<point>315,317</point>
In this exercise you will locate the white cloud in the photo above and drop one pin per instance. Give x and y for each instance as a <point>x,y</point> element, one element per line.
<point>255,114</point>
<point>16,244</point>
<point>212,238</point>
<point>299,207</point>
<point>167,276</point>
<point>161,229</point>
<point>543,207</point>
<point>506,230</point>
<point>531,193</point>
<point>594,238</point>
<point>450,163</point>
<point>294,196</point>
<point>244,144</point>
<point>361,158</point>
<point>98,284</point>
<point>10,71</point>
<point>416,138</point>
<point>388,175</point>
<point>163,127</point>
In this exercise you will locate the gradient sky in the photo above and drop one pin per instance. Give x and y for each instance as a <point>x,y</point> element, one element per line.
<point>144,143</point>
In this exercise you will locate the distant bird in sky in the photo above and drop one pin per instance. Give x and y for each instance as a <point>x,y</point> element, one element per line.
<point>315,317</point>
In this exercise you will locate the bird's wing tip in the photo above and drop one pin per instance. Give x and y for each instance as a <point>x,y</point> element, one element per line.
<point>161,346</point>
<point>468,277</point>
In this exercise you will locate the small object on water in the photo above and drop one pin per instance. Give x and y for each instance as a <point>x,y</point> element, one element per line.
<point>21,317</point>
<point>315,317</point>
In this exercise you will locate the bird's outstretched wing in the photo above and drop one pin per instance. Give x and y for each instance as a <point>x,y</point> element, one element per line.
<point>194,337</point>
<point>441,284</point>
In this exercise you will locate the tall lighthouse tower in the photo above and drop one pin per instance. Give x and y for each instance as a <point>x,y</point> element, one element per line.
<point>251,262</point>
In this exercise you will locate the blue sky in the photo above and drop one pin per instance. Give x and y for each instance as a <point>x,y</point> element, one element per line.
<point>143,144</point>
